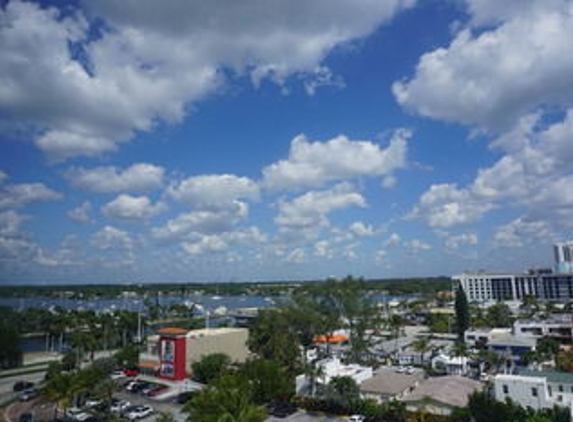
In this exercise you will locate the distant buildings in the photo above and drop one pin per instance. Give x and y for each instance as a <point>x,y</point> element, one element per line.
<point>543,284</point>
<point>390,385</point>
<point>563,257</point>
<point>171,352</point>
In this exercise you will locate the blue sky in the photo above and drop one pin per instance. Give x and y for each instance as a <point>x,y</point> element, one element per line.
<point>278,140</point>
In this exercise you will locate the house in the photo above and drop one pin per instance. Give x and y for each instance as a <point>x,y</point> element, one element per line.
<point>172,351</point>
<point>557,326</point>
<point>450,365</point>
<point>536,389</point>
<point>501,341</point>
<point>440,395</point>
<point>329,368</point>
<point>389,385</point>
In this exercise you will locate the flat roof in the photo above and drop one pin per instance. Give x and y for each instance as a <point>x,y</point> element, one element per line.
<point>551,376</point>
<point>214,331</point>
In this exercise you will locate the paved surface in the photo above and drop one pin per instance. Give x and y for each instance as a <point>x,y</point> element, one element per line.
<point>42,411</point>
<point>302,416</point>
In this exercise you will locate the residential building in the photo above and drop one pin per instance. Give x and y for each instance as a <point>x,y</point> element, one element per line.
<point>171,352</point>
<point>557,326</point>
<point>440,395</point>
<point>450,365</point>
<point>329,368</point>
<point>389,385</point>
<point>535,389</point>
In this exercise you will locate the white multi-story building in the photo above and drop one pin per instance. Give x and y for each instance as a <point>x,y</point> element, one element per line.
<point>543,285</point>
<point>563,257</point>
<point>538,390</point>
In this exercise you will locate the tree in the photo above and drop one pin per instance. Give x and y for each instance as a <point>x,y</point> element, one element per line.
<point>10,352</point>
<point>422,345</point>
<point>61,388</point>
<point>165,417</point>
<point>343,391</point>
<point>272,337</point>
<point>210,367</point>
<point>128,356</point>
<point>228,400</point>
<point>268,381</point>
<point>499,315</point>
<point>462,312</point>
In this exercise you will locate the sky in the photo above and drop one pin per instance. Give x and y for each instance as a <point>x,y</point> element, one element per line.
<point>226,141</point>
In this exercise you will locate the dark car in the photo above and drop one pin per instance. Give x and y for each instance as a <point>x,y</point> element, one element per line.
<point>183,398</point>
<point>281,409</point>
<point>26,417</point>
<point>22,385</point>
<point>28,395</point>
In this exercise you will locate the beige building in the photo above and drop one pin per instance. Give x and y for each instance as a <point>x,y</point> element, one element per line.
<point>171,352</point>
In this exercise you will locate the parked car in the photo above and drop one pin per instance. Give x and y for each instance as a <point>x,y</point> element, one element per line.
<point>116,375</point>
<point>131,372</point>
<point>157,391</point>
<point>28,394</point>
<point>22,385</point>
<point>184,397</point>
<point>139,412</point>
<point>357,418</point>
<point>119,406</point>
<point>26,417</point>
<point>147,388</point>
<point>135,386</point>
<point>93,403</point>
<point>281,409</point>
<point>77,414</point>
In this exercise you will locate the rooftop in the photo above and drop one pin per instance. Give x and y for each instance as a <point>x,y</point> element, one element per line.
<point>451,390</point>
<point>551,376</point>
<point>389,383</point>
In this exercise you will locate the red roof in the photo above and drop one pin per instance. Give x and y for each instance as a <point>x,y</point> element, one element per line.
<point>172,331</point>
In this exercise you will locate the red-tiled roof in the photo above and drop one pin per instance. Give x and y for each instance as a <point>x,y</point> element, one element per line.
<point>172,331</point>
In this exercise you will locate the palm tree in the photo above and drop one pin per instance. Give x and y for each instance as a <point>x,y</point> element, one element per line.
<point>61,388</point>
<point>422,346</point>
<point>229,400</point>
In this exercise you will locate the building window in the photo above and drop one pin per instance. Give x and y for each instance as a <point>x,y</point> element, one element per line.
<point>534,391</point>
<point>560,388</point>
<point>505,389</point>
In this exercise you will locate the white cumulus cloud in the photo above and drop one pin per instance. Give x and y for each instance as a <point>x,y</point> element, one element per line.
<point>128,207</point>
<point>139,177</point>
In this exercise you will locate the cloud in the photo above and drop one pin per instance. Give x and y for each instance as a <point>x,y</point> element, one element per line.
<point>313,164</point>
<point>445,205</point>
<point>127,207</point>
<point>533,173</point>
<point>312,208</point>
<point>18,195</point>
<point>358,228</point>
<point>222,242</point>
<point>147,65</point>
<point>214,192</point>
<point>189,224</point>
<point>81,213</point>
<point>417,245</point>
<point>394,240</point>
<point>520,232</point>
<point>296,256</point>
<point>139,177</point>
<point>322,249</point>
<point>454,242</point>
<point>490,77</point>
<point>110,238</point>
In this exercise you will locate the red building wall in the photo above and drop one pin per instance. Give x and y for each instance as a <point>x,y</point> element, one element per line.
<point>172,356</point>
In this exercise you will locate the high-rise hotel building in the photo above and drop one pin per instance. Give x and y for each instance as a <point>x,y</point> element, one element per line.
<point>543,284</point>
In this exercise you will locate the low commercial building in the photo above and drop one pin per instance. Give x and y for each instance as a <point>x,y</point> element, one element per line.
<point>536,389</point>
<point>389,385</point>
<point>171,352</point>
